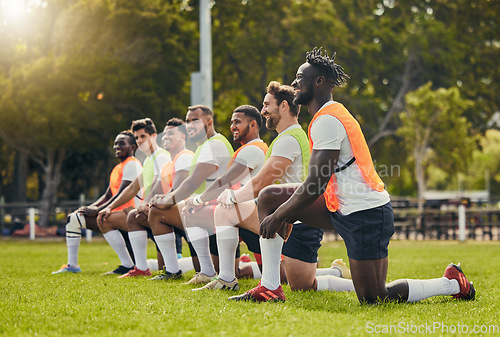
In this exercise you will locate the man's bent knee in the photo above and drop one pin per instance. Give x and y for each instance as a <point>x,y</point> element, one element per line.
<point>267,194</point>
<point>75,224</point>
<point>221,215</point>
<point>154,217</point>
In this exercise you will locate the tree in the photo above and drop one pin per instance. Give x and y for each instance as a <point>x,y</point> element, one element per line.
<point>435,130</point>
<point>90,69</point>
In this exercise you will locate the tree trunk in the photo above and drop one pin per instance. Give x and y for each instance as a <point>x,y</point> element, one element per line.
<point>420,175</point>
<point>398,102</point>
<point>52,171</point>
<point>18,186</point>
<point>419,154</point>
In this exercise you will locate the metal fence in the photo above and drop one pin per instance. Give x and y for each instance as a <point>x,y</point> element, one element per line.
<point>15,215</point>
<point>480,224</point>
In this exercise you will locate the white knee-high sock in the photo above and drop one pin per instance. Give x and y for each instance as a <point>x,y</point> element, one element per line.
<point>421,289</point>
<point>186,264</point>
<point>255,269</point>
<point>334,283</point>
<point>166,244</point>
<point>227,242</point>
<point>328,271</point>
<point>116,241</point>
<point>139,242</point>
<point>271,258</point>
<point>199,239</point>
<point>73,243</point>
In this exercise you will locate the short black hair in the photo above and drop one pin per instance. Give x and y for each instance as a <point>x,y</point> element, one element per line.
<point>206,110</point>
<point>146,124</point>
<point>327,67</point>
<point>283,93</point>
<point>179,124</point>
<point>250,111</point>
<point>130,135</point>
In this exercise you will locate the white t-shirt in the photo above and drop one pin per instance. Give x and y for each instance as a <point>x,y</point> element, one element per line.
<point>252,157</point>
<point>132,170</point>
<point>183,162</point>
<point>214,152</point>
<point>353,193</point>
<point>288,146</point>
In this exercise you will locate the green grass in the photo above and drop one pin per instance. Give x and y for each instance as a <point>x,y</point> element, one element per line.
<point>34,302</point>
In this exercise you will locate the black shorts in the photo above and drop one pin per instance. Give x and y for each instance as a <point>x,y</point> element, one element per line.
<point>251,239</point>
<point>366,233</point>
<point>303,243</point>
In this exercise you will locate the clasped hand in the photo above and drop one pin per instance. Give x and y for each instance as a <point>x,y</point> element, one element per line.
<point>160,201</point>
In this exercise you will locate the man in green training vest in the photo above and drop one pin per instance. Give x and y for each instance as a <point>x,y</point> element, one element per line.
<point>209,162</point>
<point>145,134</point>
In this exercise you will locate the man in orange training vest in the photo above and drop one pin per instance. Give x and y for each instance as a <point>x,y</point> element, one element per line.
<point>86,217</point>
<point>343,191</point>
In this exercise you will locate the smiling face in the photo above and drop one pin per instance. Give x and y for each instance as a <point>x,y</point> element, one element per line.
<point>196,122</point>
<point>240,127</point>
<point>145,141</point>
<point>303,84</point>
<point>270,111</point>
<point>122,147</point>
<point>173,139</point>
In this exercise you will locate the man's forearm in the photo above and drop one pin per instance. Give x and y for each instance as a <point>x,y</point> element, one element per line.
<point>222,183</point>
<point>123,197</point>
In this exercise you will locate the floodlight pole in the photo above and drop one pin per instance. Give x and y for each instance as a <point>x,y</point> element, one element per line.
<point>206,53</point>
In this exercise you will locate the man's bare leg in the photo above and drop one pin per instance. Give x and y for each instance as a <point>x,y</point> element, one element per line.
<point>369,276</point>
<point>301,275</point>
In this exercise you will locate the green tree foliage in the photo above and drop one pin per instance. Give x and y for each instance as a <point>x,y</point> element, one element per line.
<point>74,73</point>
<point>91,68</point>
<point>483,170</point>
<point>435,131</point>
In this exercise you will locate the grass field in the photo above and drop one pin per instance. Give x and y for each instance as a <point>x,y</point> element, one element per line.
<point>34,302</point>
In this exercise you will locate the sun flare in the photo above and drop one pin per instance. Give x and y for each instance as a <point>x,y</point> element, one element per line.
<point>12,9</point>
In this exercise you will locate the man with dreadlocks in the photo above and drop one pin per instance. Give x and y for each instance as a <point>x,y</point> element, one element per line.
<point>343,191</point>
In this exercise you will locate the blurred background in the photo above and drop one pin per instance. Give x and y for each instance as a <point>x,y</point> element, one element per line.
<point>73,73</point>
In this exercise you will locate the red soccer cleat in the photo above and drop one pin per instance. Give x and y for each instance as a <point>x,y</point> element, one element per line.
<point>136,272</point>
<point>261,294</point>
<point>467,291</point>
